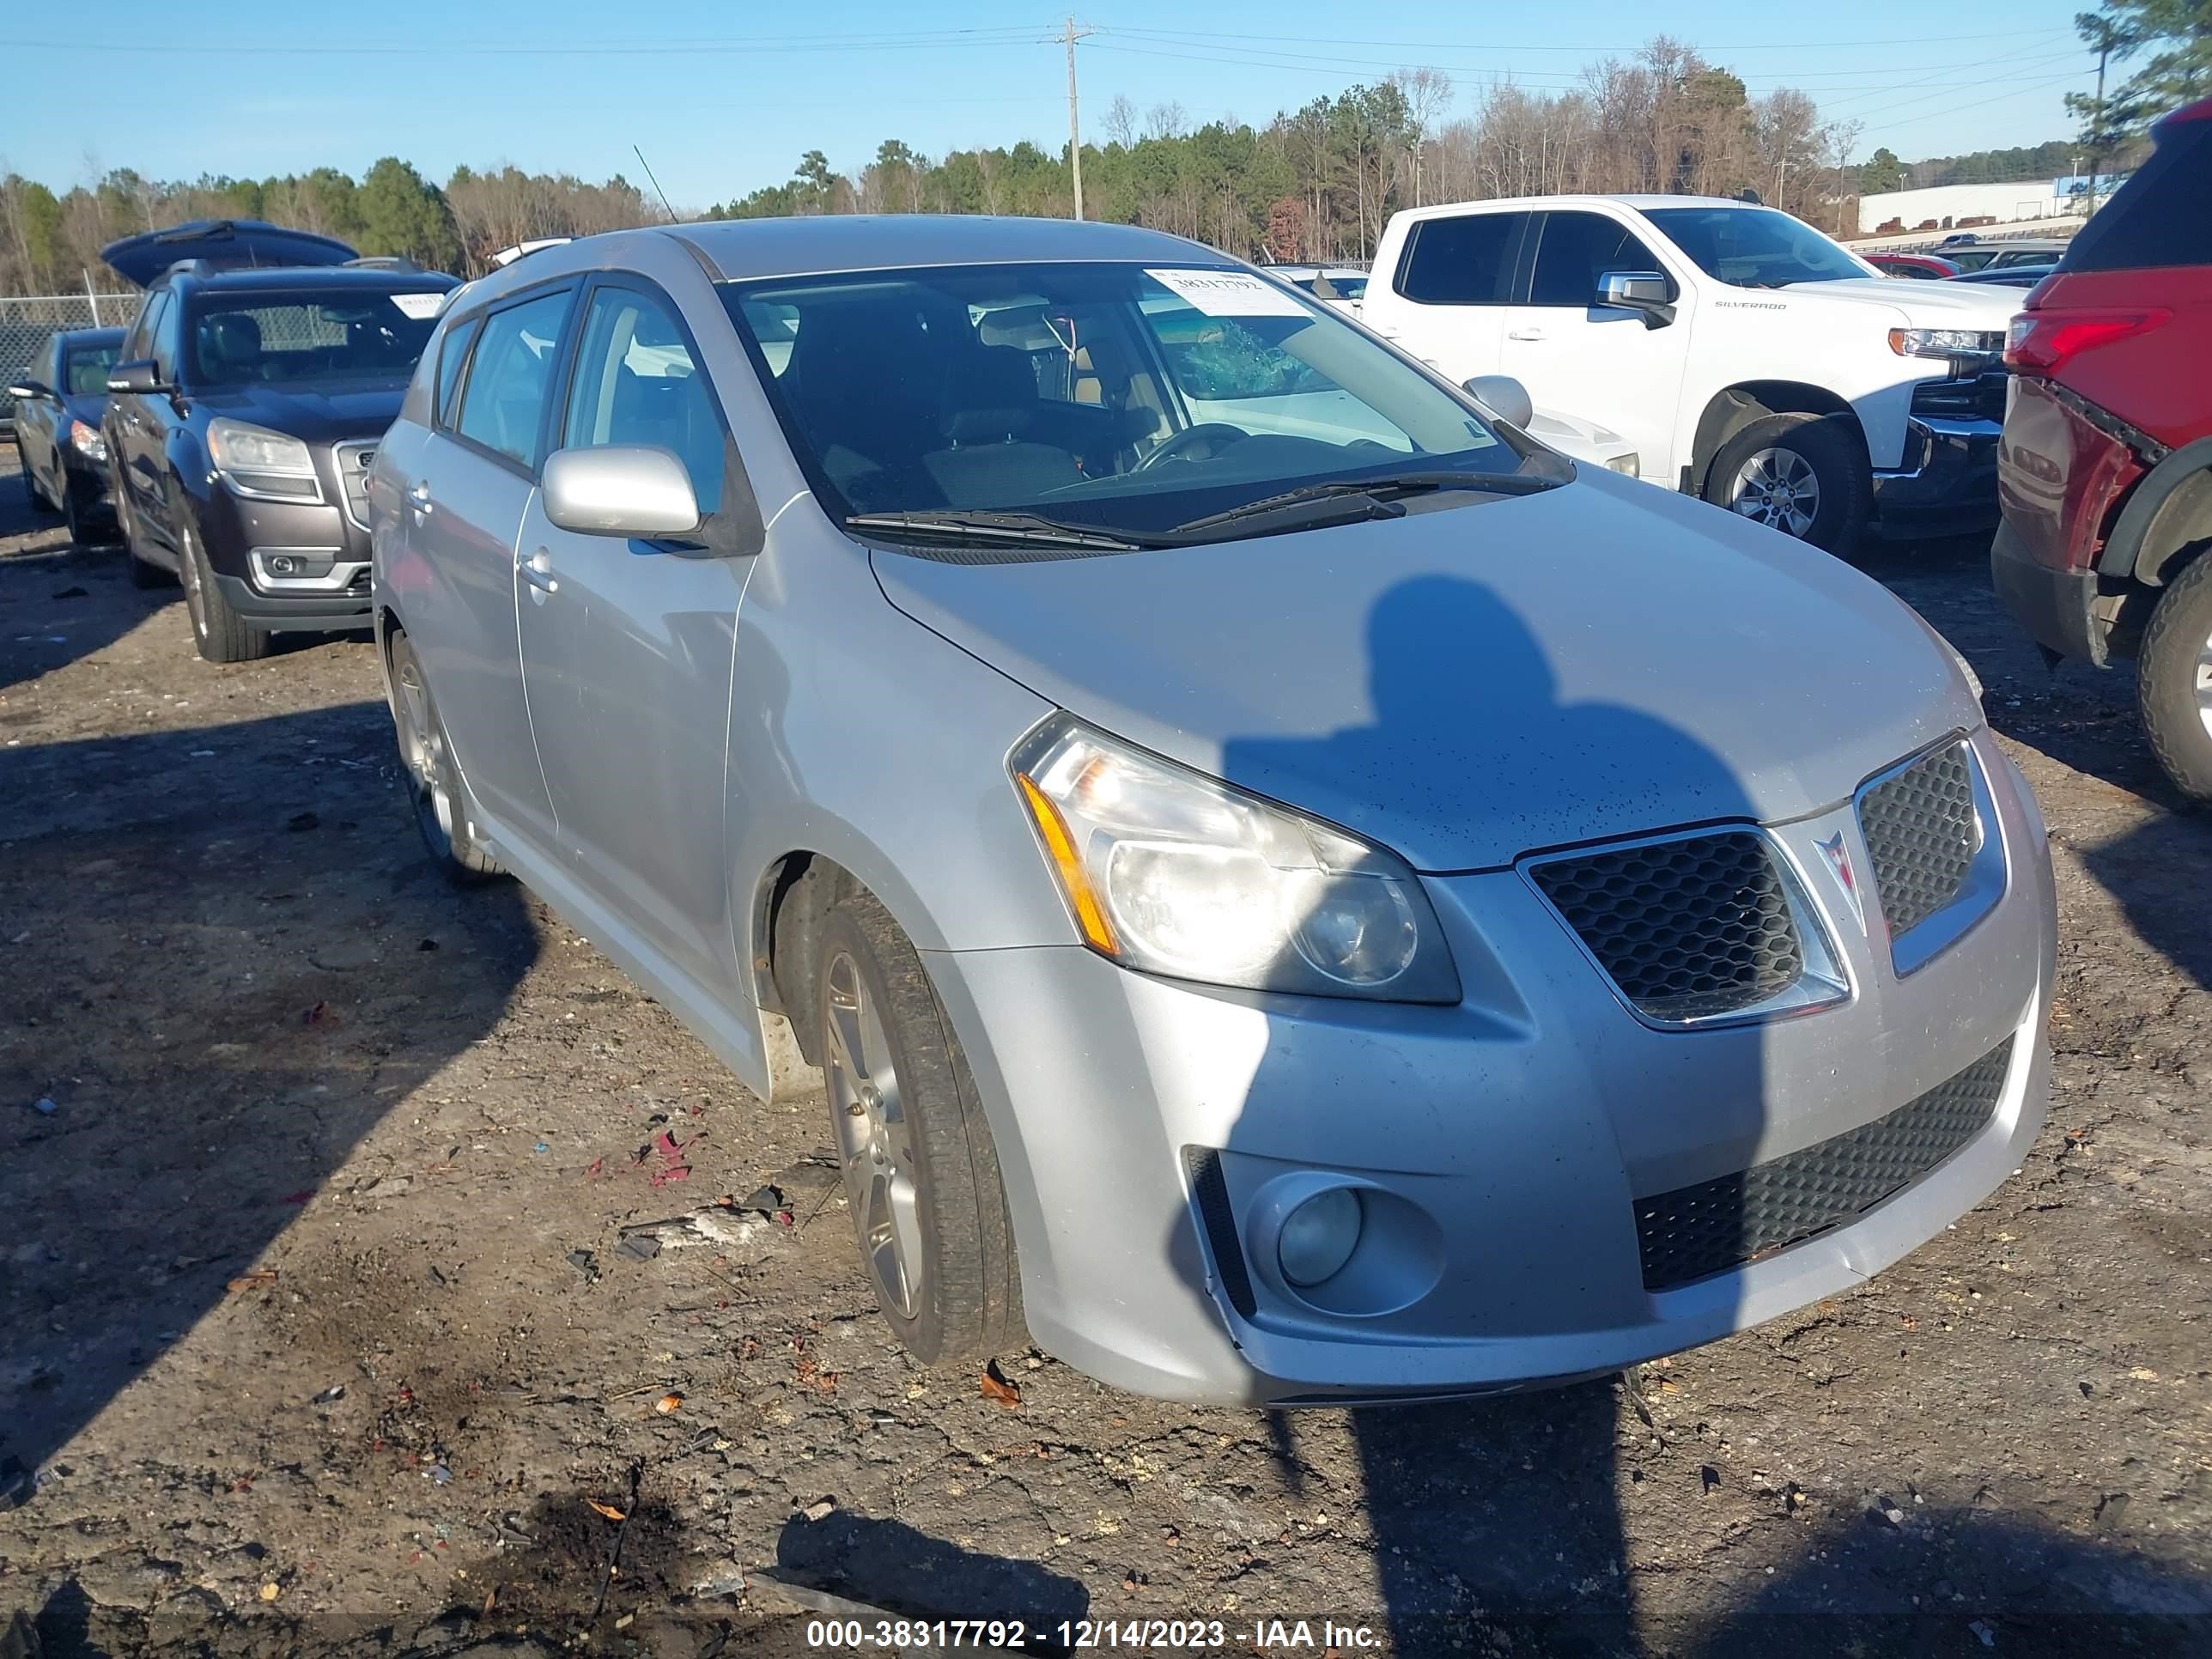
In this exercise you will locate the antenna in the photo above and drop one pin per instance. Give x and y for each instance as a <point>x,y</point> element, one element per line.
<point>657,189</point>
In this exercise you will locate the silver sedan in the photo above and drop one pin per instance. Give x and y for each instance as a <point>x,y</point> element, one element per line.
<point>1297,892</point>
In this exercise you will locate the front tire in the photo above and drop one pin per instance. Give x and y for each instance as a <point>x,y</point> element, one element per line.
<point>1804,475</point>
<point>922,1175</point>
<point>221,634</point>
<point>441,806</point>
<point>2173,680</point>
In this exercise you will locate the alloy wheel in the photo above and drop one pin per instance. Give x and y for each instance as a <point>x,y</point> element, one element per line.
<point>875,1137</point>
<point>2204,685</point>
<point>1777,488</point>
<point>422,747</point>
<point>188,566</point>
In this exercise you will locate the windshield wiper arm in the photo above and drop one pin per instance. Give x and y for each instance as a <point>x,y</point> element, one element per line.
<point>1026,527</point>
<point>1377,492</point>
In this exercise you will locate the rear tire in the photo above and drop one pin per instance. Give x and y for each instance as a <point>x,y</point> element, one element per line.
<point>922,1175</point>
<point>440,803</point>
<point>1804,475</point>
<point>221,634</point>
<point>2173,680</point>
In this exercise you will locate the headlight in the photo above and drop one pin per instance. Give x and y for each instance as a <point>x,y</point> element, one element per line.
<point>1626,463</point>
<point>235,446</point>
<point>1172,873</point>
<point>86,441</point>
<point>1946,342</point>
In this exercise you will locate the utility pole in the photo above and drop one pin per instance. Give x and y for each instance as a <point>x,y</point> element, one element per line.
<point>1074,126</point>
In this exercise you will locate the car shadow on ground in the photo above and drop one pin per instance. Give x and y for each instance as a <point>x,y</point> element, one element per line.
<point>64,602</point>
<point>150,1157</point>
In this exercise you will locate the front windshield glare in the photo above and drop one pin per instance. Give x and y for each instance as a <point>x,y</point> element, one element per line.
<point>1755,247</point>
<point>1110,396</point>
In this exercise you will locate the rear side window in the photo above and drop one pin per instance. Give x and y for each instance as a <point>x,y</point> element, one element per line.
<point>503,401</point>
<point>453,352</point>
<point>1577,249</point>
<point>1462,262</point>
<point>2159,216</point>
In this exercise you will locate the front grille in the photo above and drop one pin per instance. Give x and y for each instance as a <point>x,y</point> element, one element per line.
<point>353,462</point>
<point>1921,832</point>
<point>1980,399</point>
<point>1688,929</point>
<point>1715,1226</point>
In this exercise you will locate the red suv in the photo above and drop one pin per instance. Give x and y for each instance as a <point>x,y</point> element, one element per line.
<point>2104,472</point>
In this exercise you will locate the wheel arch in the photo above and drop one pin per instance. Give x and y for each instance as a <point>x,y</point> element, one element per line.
<point>2167,520</point>
<point>1733,407</point>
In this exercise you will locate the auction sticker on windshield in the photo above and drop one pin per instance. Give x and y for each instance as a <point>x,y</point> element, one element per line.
<point>1229,292</point>
<point>416,306</point>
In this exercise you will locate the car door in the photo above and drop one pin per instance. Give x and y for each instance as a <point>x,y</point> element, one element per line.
<point>474,479</point>
<point>1603,363</point>
<point>1456,274</point>
<point>38,420</point>
<point>628,646</point>
<point>159,416</point>
<point>126,412</point>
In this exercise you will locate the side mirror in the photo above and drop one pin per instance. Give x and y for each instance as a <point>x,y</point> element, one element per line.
<point>620,489</point>
<point>138,376</point>
<point>29,391</point>
<point>1645,291</point>
<point>1503,396</point>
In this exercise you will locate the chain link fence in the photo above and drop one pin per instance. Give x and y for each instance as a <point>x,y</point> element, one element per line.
<point>26,320</point>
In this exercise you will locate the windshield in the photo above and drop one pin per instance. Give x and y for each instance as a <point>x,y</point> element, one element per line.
<point>256,339</point>
<point>1755,247</point>
<point>84,370</point>
<point>1110,396</point>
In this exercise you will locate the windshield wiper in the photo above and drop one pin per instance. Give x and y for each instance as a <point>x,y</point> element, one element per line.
<point>959,524</point>
<point>1367,498</point>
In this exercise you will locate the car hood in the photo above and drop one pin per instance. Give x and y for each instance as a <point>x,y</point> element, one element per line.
<point>1466,684</point>
<point>315,414</point>
<point>1926,305</point>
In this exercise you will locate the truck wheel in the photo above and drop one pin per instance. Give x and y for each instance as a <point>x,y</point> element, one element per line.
<point>221,634</point>
<point>440,805</point>
<point>922,1176</point>
<point>2173,680</point>
<point>1804,475</point>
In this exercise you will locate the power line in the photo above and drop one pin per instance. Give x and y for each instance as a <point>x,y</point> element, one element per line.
<point>1453,46</point>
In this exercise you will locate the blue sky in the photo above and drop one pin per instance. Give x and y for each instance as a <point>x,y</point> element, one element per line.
<point>723,97</point>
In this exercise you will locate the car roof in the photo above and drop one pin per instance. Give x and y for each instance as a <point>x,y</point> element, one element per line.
<point>742,249</point>
<point>318,279</point>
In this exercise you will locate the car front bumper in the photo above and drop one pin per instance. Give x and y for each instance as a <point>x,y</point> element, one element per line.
<point>1948,484</point>
<point>243,534</point>
<point>1148,1128</point>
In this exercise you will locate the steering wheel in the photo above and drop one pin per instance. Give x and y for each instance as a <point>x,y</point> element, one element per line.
<point>1213,436</point>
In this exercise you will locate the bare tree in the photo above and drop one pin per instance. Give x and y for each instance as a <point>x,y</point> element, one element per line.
<point>1120,122</point>
<point>1165,121</point>
<point>1842,138</point>
<point>1428,93</point>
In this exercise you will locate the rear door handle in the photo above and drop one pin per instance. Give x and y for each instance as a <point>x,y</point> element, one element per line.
<point>537,571</point>
<point>1524,333</point>
<point>418,497</point>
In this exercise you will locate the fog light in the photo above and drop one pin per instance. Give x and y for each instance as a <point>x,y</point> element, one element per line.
<point>1318,1238</point>
<point>284,564</point>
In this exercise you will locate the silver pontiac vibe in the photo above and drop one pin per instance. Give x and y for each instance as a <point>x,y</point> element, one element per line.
<point>1297,892</point>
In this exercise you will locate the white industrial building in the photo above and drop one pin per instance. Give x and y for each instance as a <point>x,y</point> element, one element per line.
<point>1947,204</point>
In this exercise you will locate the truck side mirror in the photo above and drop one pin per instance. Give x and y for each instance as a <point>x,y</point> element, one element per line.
<point>1645,291</point>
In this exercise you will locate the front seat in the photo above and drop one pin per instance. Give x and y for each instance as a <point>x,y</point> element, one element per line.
<point>991,419</point>
<point>230,348</point>
<point>861,385</point>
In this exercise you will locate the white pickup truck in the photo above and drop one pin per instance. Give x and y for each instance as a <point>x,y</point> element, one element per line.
<point>1749,359</point>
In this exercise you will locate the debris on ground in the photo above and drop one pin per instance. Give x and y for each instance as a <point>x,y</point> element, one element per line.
<point>821,1509</point>
<point>259,1280</point>
<point>667,1403</point>
<point>672,1164</point>
<point>301,821</point>
<point>642,1246</point>
<point>585,1263</point>
<point>996,1388</point>
<point>43,1106</point>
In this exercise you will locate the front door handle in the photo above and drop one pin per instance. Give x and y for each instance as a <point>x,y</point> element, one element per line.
<point>418,498</point>
<point>1524,333</point>
<point>537,571</point>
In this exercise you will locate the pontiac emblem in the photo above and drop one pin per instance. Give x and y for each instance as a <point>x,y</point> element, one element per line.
<point>1840,863</point>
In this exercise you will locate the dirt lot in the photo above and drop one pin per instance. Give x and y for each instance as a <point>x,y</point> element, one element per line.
<point>318,1331</point>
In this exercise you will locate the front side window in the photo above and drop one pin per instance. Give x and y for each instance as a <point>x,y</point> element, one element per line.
<point>257,339</point>
<point>139,341</point>
<point>1466,261</point>
<point>84,373</point>
<point>635,383</point>
<point>1755,247</point>
<point>503,403</point>
<point>1578,248</point>
<point>1114,397</point>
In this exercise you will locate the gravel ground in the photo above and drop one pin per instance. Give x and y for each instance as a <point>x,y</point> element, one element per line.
<point>321,1334</point>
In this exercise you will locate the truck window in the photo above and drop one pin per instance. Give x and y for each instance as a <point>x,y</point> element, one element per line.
<point>1467,261</point>
<point>1576,249</point>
